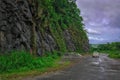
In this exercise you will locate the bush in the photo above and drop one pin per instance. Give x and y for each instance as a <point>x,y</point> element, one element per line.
<point>21,61</point>
<point>114,54</point>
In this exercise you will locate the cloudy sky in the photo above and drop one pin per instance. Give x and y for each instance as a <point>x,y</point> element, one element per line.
<point>101,19</point>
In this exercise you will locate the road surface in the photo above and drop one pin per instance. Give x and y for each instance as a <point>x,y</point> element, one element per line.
<point>102,68</point>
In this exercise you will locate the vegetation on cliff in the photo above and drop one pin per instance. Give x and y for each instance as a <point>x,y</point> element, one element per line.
<point>40,26</point>
<point>58,16</point>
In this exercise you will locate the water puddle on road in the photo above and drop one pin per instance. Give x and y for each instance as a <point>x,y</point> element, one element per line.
<point>105,64</point>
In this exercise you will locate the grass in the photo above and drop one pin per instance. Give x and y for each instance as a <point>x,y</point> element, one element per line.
<point>21,63</point>
<point>112,53</point>
<point>32,73</point>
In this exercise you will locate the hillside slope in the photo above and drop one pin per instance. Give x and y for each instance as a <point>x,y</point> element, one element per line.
<point>41,26</point>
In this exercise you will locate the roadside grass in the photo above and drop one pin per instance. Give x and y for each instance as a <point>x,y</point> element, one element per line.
<point>31,73</point>
<point>112,53</point>
<point>20,63</point>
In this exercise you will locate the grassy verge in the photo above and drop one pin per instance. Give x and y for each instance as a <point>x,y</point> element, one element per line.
<point>20,64</point>
<point>112,53</point>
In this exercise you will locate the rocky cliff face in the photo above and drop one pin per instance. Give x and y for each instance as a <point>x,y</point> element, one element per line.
<point>20,29</point>
<point>15,25</point>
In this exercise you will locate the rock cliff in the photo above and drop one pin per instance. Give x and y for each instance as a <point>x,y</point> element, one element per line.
<point>22,28</point>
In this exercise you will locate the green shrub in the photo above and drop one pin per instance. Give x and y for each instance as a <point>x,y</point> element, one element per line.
<point>21,61</point>
<point>114,54</point>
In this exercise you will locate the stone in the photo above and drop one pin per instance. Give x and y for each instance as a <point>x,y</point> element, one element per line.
<point>69,42</point>
<point>20,29</point>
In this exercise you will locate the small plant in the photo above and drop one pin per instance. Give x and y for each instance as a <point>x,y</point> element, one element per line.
<point>114,54</point>
<point>22,61</point>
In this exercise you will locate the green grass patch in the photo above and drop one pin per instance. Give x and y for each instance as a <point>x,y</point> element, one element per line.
<point>18,61</point>
<point>20,64</point>
<point>112,53</point>
<point>35,72</point>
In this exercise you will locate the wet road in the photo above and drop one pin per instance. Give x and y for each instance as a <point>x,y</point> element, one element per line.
<point>102,68</point>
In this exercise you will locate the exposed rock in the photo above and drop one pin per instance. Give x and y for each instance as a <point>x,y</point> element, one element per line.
<point>14,29</point>
<point>69,41</point>
<point>20,30</point>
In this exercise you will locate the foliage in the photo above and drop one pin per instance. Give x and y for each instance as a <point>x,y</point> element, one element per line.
<point>114,54</point>
<point>113,49</point>
<point>59,15</point>
<point>22,61</point>
<point>53,17</point>
<point>109,46</point>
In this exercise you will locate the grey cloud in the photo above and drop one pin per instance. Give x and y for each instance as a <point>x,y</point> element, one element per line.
<point>116,21</point>
<point>92,31</point>
<point>102,16</point>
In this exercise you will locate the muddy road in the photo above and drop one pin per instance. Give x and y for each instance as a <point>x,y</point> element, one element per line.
<point>102,68</point>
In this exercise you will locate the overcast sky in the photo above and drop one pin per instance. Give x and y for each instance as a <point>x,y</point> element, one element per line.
<point>101,19</point>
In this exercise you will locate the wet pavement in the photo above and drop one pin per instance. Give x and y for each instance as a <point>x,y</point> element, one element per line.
<point>102,68</point>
